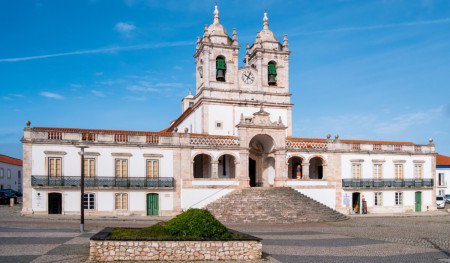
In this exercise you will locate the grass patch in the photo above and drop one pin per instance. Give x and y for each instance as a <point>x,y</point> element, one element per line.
<point>194,223</point>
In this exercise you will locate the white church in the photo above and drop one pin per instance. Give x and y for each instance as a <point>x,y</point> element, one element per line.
<point>236,132</point>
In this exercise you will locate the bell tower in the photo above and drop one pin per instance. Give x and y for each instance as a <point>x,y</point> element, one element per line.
<point>271,59</point>
<point>216,58</point>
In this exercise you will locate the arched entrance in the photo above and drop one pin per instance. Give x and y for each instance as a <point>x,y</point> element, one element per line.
<point>316,168</point>
<point>261,164</point>
<point>295,168</point>
<point>226,166</point>
<point>202,166</point>
<point>54,203</point>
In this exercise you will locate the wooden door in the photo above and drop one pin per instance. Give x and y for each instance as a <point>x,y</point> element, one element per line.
<point>152,205</point>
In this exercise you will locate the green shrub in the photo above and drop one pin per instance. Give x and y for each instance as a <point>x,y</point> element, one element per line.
<point>197,223</point>
<point>156,230</point>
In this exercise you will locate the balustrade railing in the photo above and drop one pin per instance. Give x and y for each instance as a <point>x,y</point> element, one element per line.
<point>370,183</point>
<point>75,181</point>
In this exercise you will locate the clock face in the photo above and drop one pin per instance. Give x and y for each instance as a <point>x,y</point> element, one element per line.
<point>248,77</point>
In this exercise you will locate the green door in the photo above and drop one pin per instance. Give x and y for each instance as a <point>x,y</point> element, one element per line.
<point>418,201</point>
<point>152,205</point>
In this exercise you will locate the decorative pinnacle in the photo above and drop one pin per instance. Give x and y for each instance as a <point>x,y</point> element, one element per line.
<point>234,34</point>
<point>216,14</point>
<point>266,21</point>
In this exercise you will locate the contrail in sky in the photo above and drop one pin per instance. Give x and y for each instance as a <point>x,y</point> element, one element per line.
<point>345,29</point>
<point>185,43</point>
<point>101,50</point>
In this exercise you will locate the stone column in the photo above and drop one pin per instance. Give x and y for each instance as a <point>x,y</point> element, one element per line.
<point>280,169</point>
<point>305,171</point>
<point>215,169</point>
<point>242,169</point>
<point>27,208</point>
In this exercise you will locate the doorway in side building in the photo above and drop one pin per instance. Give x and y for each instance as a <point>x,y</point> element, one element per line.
<point>152,204</point>
<point>418,202</point>
<point>356,202</point>
<point>54,203</point>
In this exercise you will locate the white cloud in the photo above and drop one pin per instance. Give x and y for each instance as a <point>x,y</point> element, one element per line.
<point>17,95</point>
<point>77,86</point>
<point>124,29</point>
<point>177,68</point>
<point>6,98</point>
<point>51,95</point>
<point>98,93</point>
<point>98,73</point>
<point>133,98</point>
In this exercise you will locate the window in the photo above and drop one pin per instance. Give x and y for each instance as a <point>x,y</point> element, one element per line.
<point>89,168</point>
<point>89,201</point>
<point>191,103</point>
<point>418,171</point>
<point>397,147</point>
<point>218,124</point>
<point>356,171</point>
<point>152,169</point>
<point>122,201</point>
<point>8,174</point>
<point>121,168</point>
<point>441,192</point>
<point>1,173</point>
<point>377,171</point>
<point>399,172</point>
<point>19,178</point>
<point>54,167</point>
<point>378,199</point>
<point>398,198</point>
<point>441,179</point>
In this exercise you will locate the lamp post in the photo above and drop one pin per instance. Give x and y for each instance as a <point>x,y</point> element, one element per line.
<point>82,188</point>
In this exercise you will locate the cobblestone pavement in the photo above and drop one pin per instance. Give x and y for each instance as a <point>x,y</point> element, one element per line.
<point>360,239</point>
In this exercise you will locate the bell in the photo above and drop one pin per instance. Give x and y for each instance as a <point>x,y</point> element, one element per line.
<point>272,81</point>
<point>220,75</point>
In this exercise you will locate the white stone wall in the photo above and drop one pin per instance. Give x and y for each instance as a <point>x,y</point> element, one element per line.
<point>201,197</point>
<point>446,184</point>
<point>13,182</point>
<point>324,196</point>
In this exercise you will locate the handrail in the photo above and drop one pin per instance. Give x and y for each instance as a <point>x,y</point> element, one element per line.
<point>75,181</point>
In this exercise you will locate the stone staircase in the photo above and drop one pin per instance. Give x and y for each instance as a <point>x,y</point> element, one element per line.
<point>275,205</point>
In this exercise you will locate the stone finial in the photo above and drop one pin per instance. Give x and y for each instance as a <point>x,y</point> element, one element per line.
<point>235,38</point>
<point>431,140</point>
<point>336,137</point>
<point>266,21</point>
<point>216,14</point>
<point>206,28</point>
<point>198,43</point>
<point>285,43</point>
<point>186,130</point>
<point>175,130</point>
<point>328,136</point>
<point>279,120</point>
<point>28,123</point>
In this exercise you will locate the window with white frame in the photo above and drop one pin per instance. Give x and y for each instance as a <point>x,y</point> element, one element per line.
<point>356,171</point>
<point>89,201</point>
<point>441,192</point>
<point>399,172</point>
<point>121,201</point>
<point>8,174</point>
<point>219,124</point>
<point>377,171</point>
<point>121,168</point>
<point>54,166</point>
<point>378,200</point>
<point>441,181</point>
<point>89,168</point>
<point>398,198</point>
<point>1,173</point>
<point>152,169</point>
<point>418,171</point>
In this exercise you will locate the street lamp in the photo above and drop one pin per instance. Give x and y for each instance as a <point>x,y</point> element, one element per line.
<point>82,147</point>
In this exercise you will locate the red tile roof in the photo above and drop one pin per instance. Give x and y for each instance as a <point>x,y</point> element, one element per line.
<point>10,160</point>
<point>177,122</point>
<point>442,160</point>
<point>99,131</point>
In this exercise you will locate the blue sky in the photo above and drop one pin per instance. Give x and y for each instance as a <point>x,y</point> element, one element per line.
<point>373,70</point>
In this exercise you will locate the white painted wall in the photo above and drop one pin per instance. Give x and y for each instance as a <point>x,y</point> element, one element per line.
<point>13,182</point>
<point>324,196</point>
<point>388,165</point>
<point>105,161</point>
<point>199,198</point>
<point>193,122</point>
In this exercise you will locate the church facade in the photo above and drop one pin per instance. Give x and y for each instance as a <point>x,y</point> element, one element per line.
<point>235,132</point>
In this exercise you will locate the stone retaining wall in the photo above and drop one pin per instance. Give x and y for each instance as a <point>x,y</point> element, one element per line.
<point>103,248</point>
